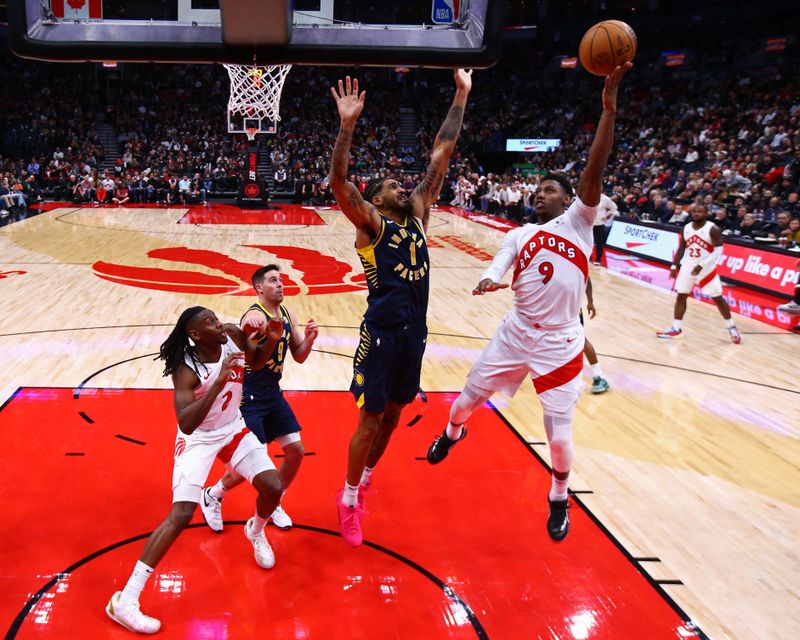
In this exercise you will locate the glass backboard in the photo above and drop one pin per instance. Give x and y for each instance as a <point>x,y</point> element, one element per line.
<point>430,33</point>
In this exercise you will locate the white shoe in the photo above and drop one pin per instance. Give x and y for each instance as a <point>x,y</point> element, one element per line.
<point>281,519</point>
<point>129,616</point>
<point>265,558</point>
<point>212,510</point>
<point>790,307</point>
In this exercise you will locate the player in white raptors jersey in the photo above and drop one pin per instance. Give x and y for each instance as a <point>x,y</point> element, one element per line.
<point>541,336</point>
<point>698,252</point>
<point>207,376</point>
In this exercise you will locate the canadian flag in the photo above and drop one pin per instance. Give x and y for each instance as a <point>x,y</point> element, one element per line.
<point>77,9</point>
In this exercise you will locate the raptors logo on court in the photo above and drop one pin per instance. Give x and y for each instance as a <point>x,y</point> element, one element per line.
<point>319,273</point>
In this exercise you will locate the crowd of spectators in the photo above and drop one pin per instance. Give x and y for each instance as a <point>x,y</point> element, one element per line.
<point>729,139</point>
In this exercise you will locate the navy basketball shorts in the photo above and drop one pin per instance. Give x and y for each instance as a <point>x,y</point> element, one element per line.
<point>387,365</point>
<point>268,415</point>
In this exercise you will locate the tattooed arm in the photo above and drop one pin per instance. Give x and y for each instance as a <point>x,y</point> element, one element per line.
<point>428,190</point>
<point>361,213</point>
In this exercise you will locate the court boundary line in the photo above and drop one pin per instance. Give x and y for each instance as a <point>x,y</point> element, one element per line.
<point>449,592</point>
<point>691,624</point>
<point>655,584</point>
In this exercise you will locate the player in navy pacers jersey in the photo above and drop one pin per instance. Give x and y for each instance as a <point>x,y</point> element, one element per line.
<point>266,412</point>
<point>390,241</point>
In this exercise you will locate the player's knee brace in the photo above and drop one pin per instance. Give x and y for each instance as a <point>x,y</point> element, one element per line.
<point>559,435</point>
<point>465,405</point>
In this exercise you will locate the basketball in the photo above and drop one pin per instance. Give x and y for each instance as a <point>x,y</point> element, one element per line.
<point>607,45</point>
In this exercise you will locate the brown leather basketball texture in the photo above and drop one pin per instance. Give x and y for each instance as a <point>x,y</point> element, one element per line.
<point>607,45</point>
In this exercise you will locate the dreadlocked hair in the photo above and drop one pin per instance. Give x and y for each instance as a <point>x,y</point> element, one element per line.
<point>177,344</point>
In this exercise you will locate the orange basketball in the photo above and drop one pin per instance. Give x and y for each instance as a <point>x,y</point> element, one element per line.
<point>607,45</point>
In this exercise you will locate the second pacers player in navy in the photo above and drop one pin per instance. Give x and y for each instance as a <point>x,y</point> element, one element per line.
<point>390,240</point>
<point>266,412</point>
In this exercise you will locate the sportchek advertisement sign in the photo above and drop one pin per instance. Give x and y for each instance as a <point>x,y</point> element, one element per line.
<point>749,265</point>
<point>643,240</point>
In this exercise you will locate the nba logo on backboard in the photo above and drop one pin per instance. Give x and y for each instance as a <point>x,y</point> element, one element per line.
<point>444,11</point>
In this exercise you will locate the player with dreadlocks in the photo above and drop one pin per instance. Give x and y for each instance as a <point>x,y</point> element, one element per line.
<point>206,361</point>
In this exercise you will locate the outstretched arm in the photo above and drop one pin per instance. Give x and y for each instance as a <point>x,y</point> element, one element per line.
<point>427,191</point>
<point>591,182</point>
<point>361,213</point>
<point>502,261</point>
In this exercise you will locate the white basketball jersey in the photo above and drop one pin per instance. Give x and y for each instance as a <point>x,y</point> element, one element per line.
<point>551,265</point>
<point>698,243</point>
<point>225,408</point>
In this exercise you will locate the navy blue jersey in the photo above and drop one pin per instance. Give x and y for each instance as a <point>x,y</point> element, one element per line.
<point>269,376</point>
<point>396,266</point>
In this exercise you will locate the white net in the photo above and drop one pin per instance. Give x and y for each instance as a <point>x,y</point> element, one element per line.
<point>256,90</point>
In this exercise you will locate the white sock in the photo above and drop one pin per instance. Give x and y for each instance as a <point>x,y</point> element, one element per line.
<point>597,372</point>
<point>135,585</point>
<point>453,431</point>
<point>366,474</point>
<point>218,491</point>
<point>558,488</point>
<point>676,324</point>
<point>730,323</point>
<point>258,524</point>
<point>350,495</point>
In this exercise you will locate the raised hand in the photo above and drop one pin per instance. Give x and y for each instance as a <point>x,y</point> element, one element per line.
<point>254,327</point>
<point>487,284</point>
<point>463,78</point>
<point>612,86</point>
<point>348,101</point>
<point>229,364</point>
<point>312,331</point>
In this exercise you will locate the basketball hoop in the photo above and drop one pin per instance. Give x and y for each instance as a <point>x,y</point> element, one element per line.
<point>255,97</point>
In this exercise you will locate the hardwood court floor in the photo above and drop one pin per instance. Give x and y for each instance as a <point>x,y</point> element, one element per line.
<point>691,459</point>
<point>426,526</point>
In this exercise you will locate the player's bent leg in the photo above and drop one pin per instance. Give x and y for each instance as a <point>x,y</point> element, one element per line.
<point>675,331</point>
<point>268,485</point>
<point>211,500</point>
<point>558,427</point>
<point>347,500</point>
<point>724,309</point>
<point>123,606</point>
<point>386,427</point>
<point>468,401</point>
<point>211,504</point>
<point>294,451</point>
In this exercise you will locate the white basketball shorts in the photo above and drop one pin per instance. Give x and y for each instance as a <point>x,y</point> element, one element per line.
<point>551,356</point>
<point>708,281</point>
<point>239,450</point>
